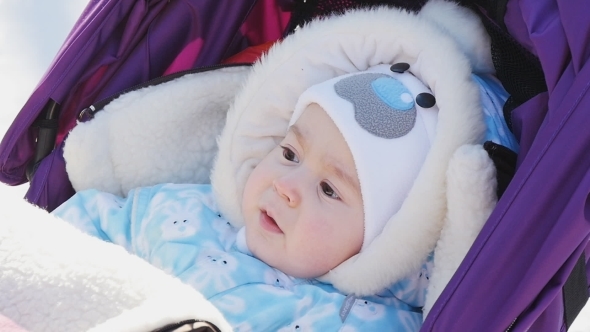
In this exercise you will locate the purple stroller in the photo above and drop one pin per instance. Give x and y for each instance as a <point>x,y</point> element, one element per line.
<point>526,271</point>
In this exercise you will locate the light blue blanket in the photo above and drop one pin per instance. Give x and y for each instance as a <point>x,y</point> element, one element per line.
<point>179,229</point>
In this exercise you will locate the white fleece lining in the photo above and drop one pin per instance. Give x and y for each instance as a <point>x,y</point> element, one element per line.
<point>158,134</point>
<point>324,49</point>
<point>53,277</point>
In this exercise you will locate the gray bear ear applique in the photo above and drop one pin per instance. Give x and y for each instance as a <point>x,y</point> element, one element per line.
<point>383,105</point>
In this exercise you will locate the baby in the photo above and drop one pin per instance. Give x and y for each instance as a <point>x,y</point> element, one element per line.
<point>354,147</point>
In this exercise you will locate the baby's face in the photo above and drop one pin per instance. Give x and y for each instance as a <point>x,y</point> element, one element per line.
<point>302,204</point>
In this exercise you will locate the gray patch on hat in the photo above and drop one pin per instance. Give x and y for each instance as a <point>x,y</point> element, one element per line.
<point>370,111</point>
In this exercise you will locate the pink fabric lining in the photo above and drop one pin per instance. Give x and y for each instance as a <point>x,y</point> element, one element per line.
<point>267,22</point>
<point>186,58</point>
<point>7,325</point>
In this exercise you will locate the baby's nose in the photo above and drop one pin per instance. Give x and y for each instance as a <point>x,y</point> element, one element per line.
<point>287,189</point>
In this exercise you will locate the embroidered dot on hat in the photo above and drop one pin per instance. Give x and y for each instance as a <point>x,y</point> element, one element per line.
<point>388,131</point>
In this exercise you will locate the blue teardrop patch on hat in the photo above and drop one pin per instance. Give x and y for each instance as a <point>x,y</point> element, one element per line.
<point>383,105</point>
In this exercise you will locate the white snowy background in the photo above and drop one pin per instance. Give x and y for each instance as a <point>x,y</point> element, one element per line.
<point>31,33</point>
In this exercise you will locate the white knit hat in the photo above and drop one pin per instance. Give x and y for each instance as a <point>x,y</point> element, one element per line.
<point>387,131</point>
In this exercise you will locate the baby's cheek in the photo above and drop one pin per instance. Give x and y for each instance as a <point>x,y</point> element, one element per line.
<point>339,240</point>
<point>320,245</point>
<point>316,231</point>
<point>255,242</point>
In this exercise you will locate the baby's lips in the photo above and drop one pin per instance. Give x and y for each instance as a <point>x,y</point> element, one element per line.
<point>269,222</point>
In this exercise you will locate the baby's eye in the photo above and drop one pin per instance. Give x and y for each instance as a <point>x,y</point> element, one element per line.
<point>289,154</point>
<point>328,191</point>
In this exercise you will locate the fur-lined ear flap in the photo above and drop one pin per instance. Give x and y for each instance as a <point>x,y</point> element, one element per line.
<point>471,197</point>
<point>465,28</point>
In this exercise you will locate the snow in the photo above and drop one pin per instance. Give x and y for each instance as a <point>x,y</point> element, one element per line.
<point>31,33</point>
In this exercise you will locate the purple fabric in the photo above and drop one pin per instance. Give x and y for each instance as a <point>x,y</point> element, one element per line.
<point>117,44</point>
<point>50,186</point>
<point>15,149</point>
<point>534,237</point>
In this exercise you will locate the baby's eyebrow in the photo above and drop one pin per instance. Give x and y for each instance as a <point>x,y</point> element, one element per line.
<point>341,173</point>
<point>299,135</point>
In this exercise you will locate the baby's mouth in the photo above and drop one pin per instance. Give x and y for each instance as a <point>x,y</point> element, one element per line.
<point>268,223</point>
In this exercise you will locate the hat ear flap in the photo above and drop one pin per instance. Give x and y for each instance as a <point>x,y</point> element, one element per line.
<point>471,197</point>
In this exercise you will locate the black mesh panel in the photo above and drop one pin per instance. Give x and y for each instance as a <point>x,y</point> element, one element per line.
<point>518,69</point>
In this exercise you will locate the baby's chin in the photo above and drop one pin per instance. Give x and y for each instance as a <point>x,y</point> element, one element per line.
<point>300,270</point>
<point>297,272</point>
<point>297,267</point>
